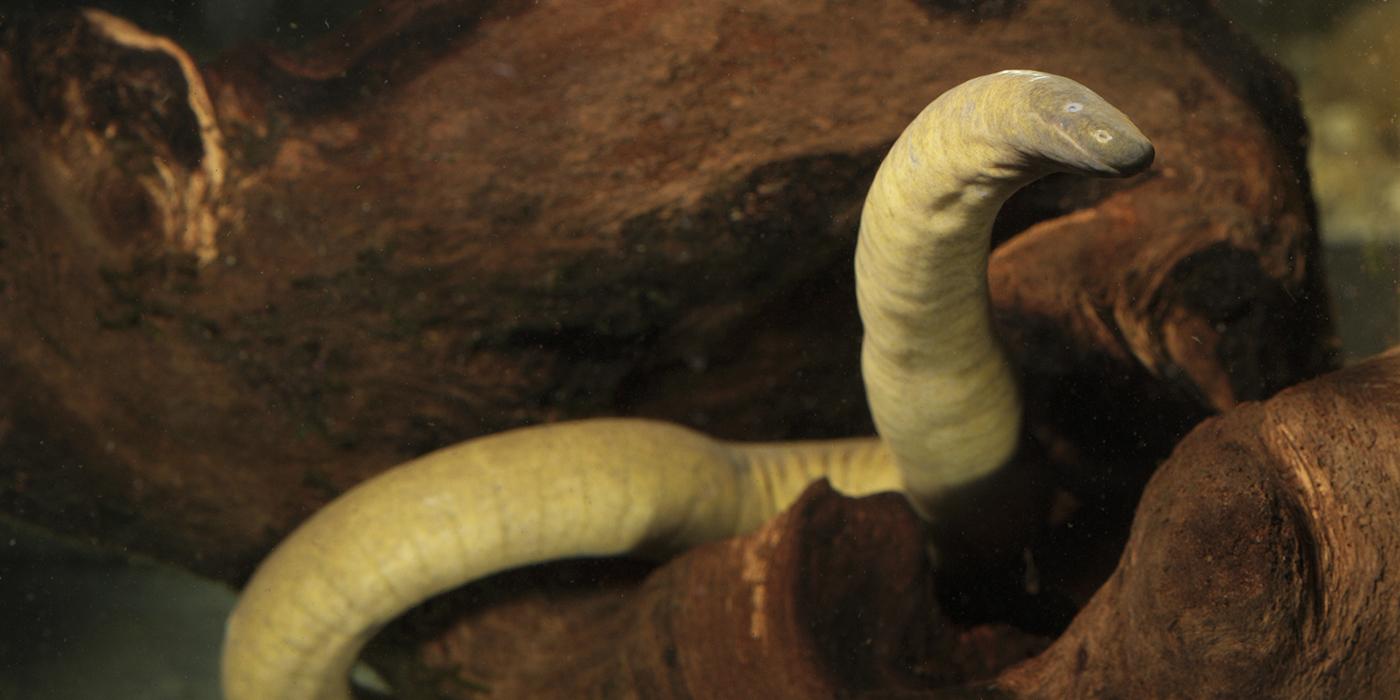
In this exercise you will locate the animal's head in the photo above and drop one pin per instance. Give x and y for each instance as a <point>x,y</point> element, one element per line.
<point>1062,126</point>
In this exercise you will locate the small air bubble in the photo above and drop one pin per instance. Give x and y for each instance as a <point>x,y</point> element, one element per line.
<point>1102,136</point>
<point>1074,107</point>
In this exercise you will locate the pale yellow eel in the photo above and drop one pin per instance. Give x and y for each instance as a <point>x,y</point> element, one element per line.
<point>941,390</point>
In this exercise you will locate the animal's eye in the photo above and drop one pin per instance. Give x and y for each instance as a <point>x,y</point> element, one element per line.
<point>1073,107</point>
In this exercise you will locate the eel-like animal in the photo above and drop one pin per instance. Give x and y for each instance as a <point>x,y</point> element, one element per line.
<point>941,390</point>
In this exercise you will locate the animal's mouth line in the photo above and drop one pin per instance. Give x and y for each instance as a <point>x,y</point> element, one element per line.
<point>1095,163</point>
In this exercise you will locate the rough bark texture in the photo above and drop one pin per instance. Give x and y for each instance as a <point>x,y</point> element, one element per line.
<point>1260,560</point>
<point>229,292</point>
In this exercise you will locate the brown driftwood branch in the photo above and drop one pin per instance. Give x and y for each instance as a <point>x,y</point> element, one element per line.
<point>1258,563</point>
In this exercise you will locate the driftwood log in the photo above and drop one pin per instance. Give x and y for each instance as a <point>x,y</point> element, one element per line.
<point>229,291</point>
<point>1261,559</point>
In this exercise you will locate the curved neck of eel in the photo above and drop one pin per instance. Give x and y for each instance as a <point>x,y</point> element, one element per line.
<point>941,390</point>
